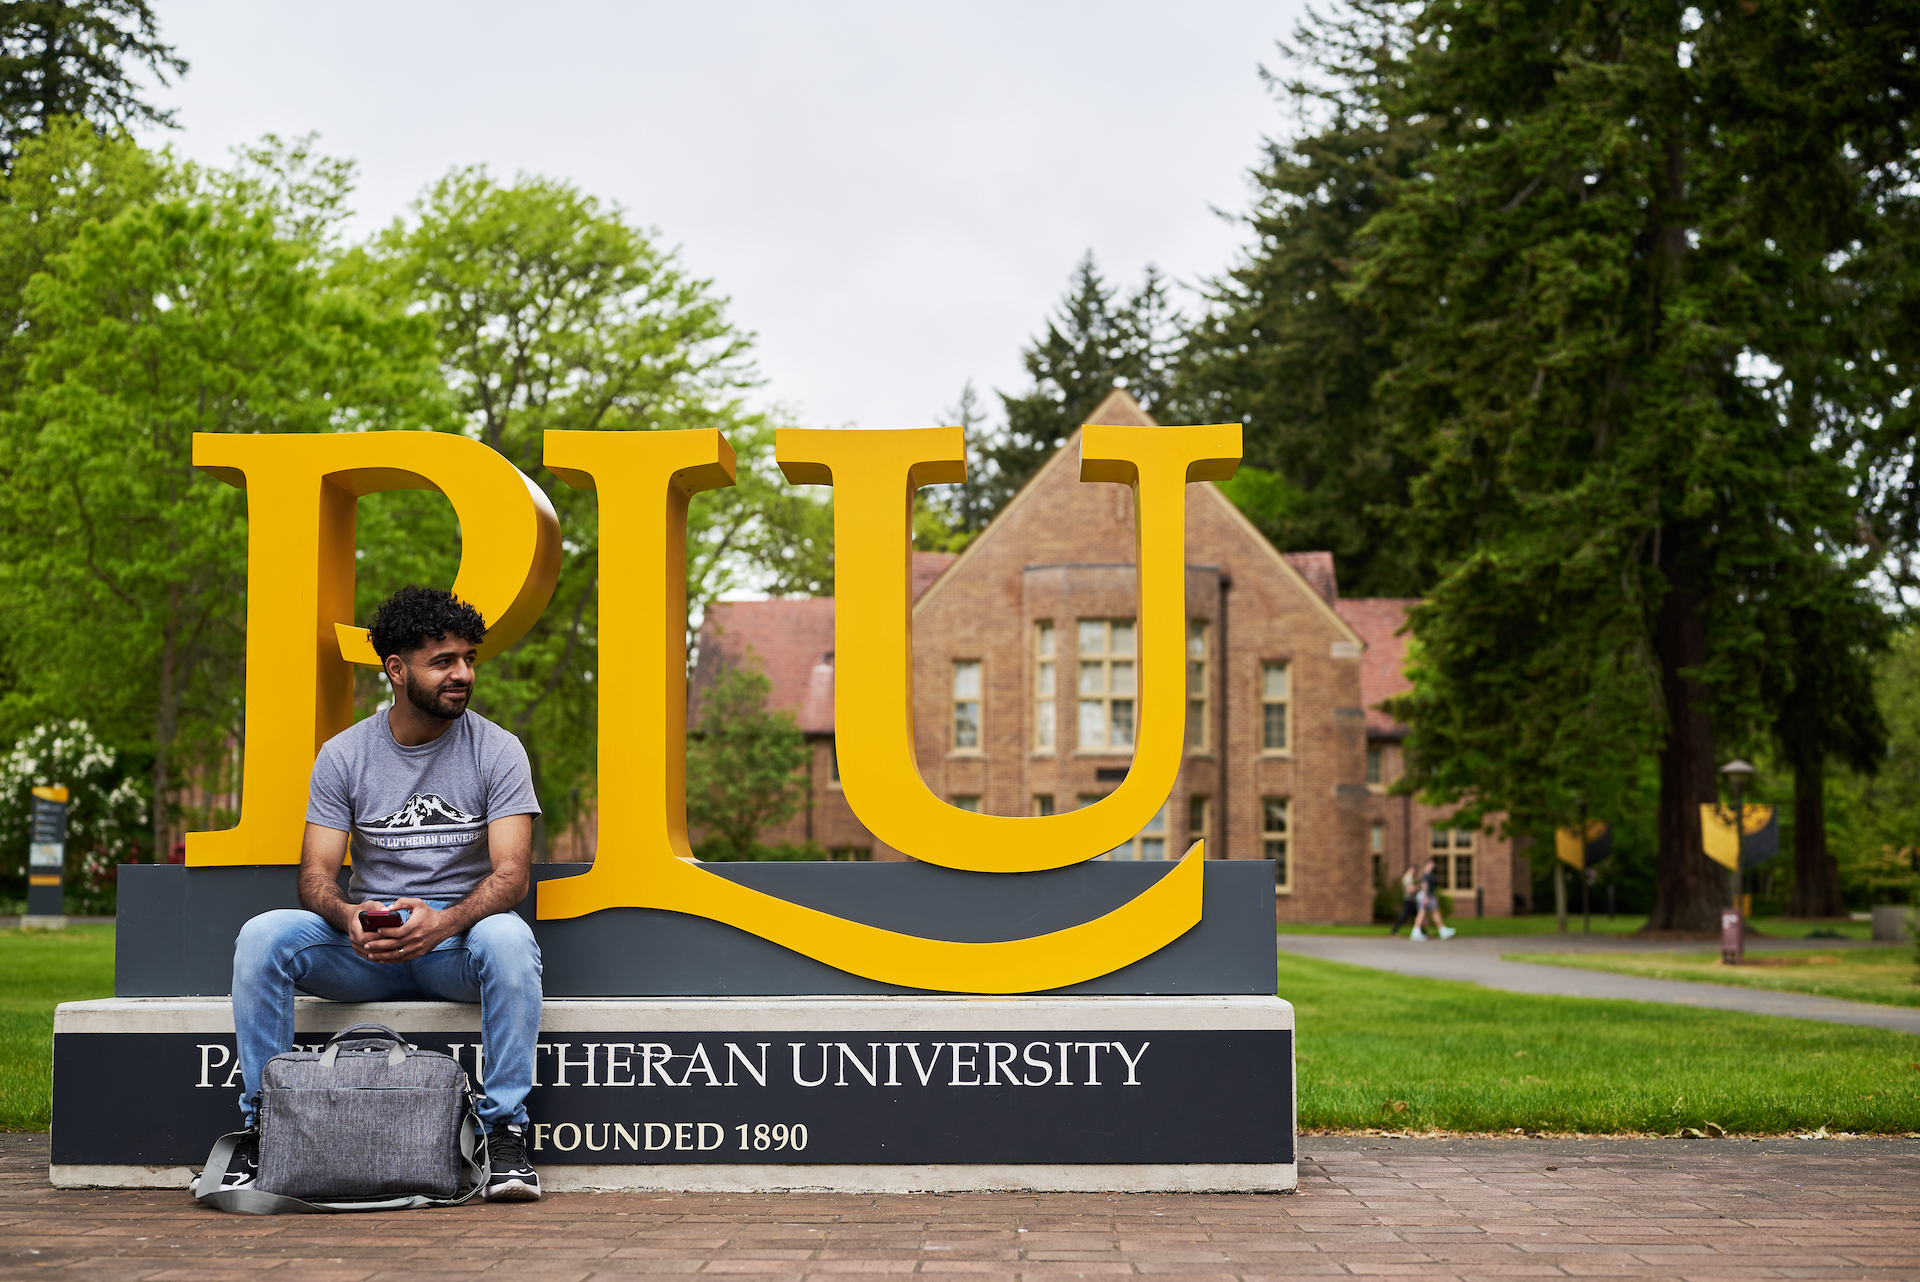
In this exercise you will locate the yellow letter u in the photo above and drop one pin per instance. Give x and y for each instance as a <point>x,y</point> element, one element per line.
<point>874,475</point>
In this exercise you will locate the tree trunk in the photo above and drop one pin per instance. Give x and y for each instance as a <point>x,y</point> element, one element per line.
<point>1816,874</point>
<point>1688,886</point>
<point>541,852</point>
<point>165,723</point>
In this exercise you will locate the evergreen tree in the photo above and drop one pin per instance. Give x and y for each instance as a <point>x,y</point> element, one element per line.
<point>1283,350</point>
<point>76,60</point>
<point>946,517</point>
<point>1630,214</point>
<point>1096,342</point>
<point>1819,682</point>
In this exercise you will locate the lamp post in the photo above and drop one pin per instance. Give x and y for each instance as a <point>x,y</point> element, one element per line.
<point>1738,775</point>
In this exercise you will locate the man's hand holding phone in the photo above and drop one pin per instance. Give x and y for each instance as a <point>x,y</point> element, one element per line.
<point>382,933</point>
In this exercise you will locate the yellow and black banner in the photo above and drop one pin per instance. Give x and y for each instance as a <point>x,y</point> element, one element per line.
<point>1758,842</point>
<point>1598,846</point>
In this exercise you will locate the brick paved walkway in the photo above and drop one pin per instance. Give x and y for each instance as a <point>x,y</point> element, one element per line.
<point>1462,1208</point>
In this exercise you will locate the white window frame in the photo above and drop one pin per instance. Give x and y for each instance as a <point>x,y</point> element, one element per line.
<point>1448,846</point>
<point>1284,701</point>
<point>1119,685</point>
<point>1199,739</point>
<point>1046,685</point>
<point>1149,845</point>
<point>1276,842</point>
<point>966,706</point>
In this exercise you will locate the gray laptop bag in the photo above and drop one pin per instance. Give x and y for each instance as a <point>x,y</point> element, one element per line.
<point>370,1123</point>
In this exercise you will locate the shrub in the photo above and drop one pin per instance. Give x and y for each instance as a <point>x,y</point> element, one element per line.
<point>106,811</point>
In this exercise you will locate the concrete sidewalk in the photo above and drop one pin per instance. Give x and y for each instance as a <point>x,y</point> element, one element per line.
<point>1477,961</point>
<point>1423,1208</point>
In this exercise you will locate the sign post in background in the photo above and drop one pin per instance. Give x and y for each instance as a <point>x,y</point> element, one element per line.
<point>47,859</point>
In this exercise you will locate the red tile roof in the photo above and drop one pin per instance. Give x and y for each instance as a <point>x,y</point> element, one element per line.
<point>1378,620</point>
<point>791,640</point>
<point>787,638</point>
<point>1317,569</point>
<point>928,566</point>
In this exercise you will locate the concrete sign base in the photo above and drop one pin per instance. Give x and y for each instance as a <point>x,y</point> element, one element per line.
<point>739,1094</point>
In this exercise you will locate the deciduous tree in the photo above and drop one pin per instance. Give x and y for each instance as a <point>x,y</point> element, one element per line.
<point>123,567</point>
<point>553,311</point>
<point>743,764</point>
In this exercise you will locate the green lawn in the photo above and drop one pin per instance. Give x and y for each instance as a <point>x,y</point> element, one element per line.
<point>1382,1050</point>
<point>1885,975</point>
<point>1546,924</point>
<point>1453,1056</point>
<point>39,969</point>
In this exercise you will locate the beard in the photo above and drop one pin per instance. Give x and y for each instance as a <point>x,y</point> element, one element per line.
<point>435,704</point>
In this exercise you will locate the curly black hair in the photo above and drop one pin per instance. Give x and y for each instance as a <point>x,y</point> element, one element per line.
<point>406,619</point>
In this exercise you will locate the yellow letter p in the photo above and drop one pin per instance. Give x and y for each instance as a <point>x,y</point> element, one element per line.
<point>301,495</point>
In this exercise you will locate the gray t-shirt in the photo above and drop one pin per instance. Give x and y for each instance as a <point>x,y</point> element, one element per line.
<point>419,815</point>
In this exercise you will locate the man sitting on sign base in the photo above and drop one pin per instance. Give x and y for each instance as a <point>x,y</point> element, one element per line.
<point>438,803</point>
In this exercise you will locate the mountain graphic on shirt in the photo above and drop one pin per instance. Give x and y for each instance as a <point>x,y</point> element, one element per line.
<point>426,820</point>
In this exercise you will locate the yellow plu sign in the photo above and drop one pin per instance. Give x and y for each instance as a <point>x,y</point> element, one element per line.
<point>301,492</point>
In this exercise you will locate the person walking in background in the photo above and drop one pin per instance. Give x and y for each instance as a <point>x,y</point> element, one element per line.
<point>1429,903</point>
<point>1409,899</point>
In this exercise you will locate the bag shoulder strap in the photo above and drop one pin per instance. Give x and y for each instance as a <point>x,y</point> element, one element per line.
<point>251,1201</point>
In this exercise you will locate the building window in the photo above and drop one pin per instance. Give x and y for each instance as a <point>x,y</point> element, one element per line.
<point>966,705</point>
<point>833,765</point>
<point>1149,844</point>
<point>1274,840</point>
<point>1043,716</point>
<point>1043,804</point>
<point>1453,857</point>
<point>1199,810</point>
<point>1197,685</point>
<point>1275,691</point>
<point>851,854</point>
<point>967,803</point>
<point>1375,776</point>
<point>1377,847</point>
<point>1106,685</point>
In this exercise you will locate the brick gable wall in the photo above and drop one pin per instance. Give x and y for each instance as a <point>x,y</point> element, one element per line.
<point>1063,552</point>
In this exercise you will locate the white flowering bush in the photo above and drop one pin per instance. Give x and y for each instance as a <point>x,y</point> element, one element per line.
<point>107,814</point>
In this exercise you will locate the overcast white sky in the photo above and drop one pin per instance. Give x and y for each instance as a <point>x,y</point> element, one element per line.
<point>892,195</point>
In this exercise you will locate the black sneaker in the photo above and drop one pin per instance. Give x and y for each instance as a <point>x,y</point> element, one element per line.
<point>511,1178</point>
<point>242,1168</point>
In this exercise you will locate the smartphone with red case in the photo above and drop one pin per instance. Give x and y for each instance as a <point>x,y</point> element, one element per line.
<point>386,920</point>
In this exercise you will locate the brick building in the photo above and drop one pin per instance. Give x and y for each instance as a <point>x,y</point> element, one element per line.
<point>1483,871</point>
<point>1023,691</point>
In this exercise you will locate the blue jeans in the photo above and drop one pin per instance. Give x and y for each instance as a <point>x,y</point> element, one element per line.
<point>496,963</point>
